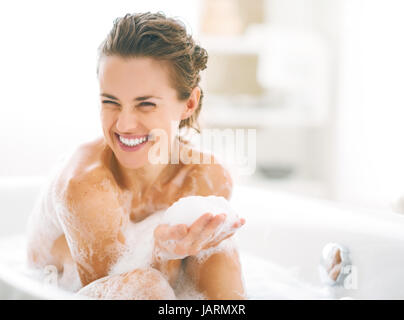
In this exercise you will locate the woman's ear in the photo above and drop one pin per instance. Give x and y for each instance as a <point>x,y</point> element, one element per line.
<point>192,103</point>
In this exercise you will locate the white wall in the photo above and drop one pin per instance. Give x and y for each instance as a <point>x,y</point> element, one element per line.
<point>370,128</point>
<point>49,89</point>
<point>49,92</point>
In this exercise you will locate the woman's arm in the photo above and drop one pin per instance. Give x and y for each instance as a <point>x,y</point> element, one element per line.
<point>219,276</point>
<point>171,269</point>
<point>92,223</point>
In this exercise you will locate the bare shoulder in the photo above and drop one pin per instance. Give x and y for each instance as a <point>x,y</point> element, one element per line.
<point>93,215</point>
<point>71,190</point>
<point>87,178</point>
<point>209,178</point>
<point>89,163</point>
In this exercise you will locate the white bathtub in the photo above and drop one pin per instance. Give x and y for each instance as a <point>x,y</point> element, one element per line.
<point>280,245</point>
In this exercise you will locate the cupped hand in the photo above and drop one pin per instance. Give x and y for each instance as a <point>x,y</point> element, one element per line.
<point>179,241</point>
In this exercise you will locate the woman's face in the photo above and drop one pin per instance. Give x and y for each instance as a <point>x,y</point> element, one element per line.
<point>137,97</point>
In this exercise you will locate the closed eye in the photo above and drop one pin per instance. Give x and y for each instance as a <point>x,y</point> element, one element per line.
<point>142,104</point>
<point>145,104</point>
<point>108,101</point>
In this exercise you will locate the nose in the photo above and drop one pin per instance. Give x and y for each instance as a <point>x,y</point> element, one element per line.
<point>127,121</point>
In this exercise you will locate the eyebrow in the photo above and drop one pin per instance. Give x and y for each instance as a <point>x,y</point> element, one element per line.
<point>110,96</point>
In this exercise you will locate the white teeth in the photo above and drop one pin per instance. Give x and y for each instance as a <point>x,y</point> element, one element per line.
<point>132,142</point>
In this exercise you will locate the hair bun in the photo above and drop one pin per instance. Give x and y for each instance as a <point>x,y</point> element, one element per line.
<point>200,57</point>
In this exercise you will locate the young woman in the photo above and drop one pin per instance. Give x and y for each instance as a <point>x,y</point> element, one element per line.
<point>148,73</point>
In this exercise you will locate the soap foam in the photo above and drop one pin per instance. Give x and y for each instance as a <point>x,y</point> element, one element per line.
<point>263,278</point>
<point>139,236</point>
<point>140,284</point>
<point>139,244</point>
<point>185,288</point>
<point>188,209</point>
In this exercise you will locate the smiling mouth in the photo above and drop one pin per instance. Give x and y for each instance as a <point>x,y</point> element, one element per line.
<point>132,141</point>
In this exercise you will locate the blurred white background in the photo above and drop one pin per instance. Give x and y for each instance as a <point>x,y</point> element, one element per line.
<point>320,80</point>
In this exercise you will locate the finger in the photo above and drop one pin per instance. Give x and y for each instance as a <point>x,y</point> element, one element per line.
<point>208,233</point>
<point>238,223</point>
<point>201,222</point>
<point>212,227</point>
<point>178,231</point>
<point>161,232</point>
<point>213,240</point>
<point>166,232</point>
<point>223,236</point>
<point>226,234</point>
<point>196,228</point>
